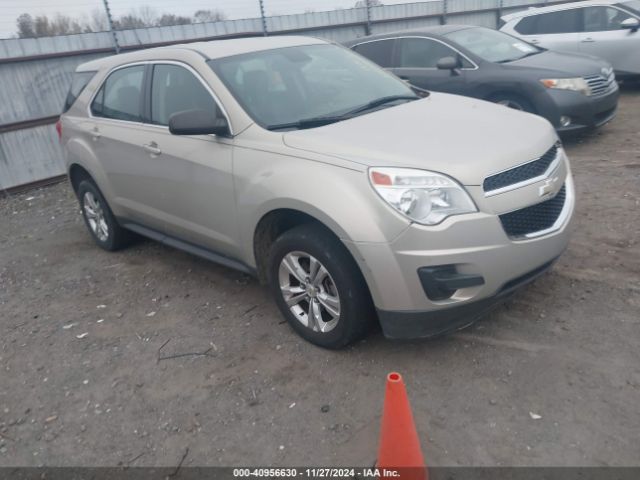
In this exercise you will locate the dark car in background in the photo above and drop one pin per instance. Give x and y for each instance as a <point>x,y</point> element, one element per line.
<point>574,92</point>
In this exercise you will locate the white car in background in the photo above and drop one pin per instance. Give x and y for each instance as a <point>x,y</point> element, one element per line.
<point>603,28</point>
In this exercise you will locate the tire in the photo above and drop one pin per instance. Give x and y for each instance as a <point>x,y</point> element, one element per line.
<point>338,277</point>
<point>99,218</point>
<point>513,101</point>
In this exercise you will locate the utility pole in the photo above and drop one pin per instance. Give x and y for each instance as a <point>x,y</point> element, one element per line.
<point>110,21</point>
<point>443,17</point>
<point>368,25</point>
<point>264,20</point>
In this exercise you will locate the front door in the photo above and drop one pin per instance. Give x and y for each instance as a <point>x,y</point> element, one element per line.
<point>604,37</point>
<point>199,203</point>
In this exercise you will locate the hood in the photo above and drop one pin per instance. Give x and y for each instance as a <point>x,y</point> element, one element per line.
<point>563,64</point>
<point>464,138</point>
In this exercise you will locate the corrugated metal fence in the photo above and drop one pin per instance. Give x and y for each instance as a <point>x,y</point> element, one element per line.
<point>35,73</point>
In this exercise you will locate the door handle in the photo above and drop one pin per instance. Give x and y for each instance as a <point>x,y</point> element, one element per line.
<point>95,133</point>
<point>534,41</point>
<point>152,148</point>
<point>588,40</point>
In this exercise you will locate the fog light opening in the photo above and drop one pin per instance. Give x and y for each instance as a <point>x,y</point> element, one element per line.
<point>565,121</point>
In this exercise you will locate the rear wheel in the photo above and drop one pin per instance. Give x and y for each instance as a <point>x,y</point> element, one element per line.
<point>318,287</point>
<point>99,218</point>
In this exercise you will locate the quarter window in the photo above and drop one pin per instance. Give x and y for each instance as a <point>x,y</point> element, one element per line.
<point>79,81</point>
<point>424,53</point>
<point>564,21</point>
<point>378,51</point>
<point>120,96</point>
<point>602,19</point>
<point>175,89</point>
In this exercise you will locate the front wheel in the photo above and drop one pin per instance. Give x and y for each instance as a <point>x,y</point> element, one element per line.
<point>513,101</point>
<point>319,288</point>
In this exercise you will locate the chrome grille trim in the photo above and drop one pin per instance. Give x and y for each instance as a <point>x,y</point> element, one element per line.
<point>550,169</point>
<point>601,85</point>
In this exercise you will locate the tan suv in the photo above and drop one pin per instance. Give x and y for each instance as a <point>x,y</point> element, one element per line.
<point>306,165</point>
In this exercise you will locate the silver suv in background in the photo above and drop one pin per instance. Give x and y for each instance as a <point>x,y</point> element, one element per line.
<point>607,29</point>
<point>308,166</point>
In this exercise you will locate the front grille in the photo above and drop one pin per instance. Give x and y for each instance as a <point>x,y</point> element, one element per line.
<point>521,173</point>
<point>534,218</point>
<point>600,85</point>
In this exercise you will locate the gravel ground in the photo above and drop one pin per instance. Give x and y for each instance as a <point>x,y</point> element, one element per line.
<point>91,372</point>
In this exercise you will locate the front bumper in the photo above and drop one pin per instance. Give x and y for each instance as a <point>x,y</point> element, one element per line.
<point>584,112</point>
<point>406,325</point>
<point>478,246</point>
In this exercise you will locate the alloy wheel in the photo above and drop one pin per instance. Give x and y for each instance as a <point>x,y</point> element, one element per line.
<point>309,291</point>
<point>94,214</point>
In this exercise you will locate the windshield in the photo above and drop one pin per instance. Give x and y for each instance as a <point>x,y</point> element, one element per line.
<point>632,5</point>
<point>492,45</point>
<point>289,85</point>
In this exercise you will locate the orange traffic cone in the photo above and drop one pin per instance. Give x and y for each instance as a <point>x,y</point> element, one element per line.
<point>399,443</point>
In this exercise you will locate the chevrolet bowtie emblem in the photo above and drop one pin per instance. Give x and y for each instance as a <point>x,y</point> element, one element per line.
<point>548,186</point>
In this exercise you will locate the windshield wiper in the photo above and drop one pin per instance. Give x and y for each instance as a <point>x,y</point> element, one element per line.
<point>321,121</point>
<point>308,122</point>
<point>381,101</point>
<point>520,58</point>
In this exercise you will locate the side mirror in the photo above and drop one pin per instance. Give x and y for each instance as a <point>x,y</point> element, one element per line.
<point>632,24</point>
<point>448,63</point>
<point>197,122</point>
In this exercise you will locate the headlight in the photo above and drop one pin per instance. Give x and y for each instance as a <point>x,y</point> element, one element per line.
<point>424,197</point>
<point>575,84</point>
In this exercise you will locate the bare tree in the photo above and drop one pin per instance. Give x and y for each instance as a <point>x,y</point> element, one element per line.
<point>98,21</point>
<point>168,19</point>
<point>26,26</point>
<point>209,16</point>
<point>43,26</point>
<point>127,22</point>
<point>372,3</point>
<point>148,15</point>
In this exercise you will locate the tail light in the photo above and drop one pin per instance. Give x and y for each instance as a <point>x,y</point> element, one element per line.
<point>59,129</point>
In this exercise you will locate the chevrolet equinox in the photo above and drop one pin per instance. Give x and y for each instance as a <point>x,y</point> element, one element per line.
<point>329,179</point>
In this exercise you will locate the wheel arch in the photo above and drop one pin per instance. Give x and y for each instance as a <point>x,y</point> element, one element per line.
<point>278,220</point>
<point>76,174</point>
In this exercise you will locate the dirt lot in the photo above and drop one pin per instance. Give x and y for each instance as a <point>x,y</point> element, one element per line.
<point>85,381</point>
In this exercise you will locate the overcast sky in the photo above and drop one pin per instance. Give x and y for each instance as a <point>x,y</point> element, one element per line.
<point>11,9</point>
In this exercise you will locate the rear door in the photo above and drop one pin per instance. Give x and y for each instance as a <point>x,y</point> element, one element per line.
<point>116,130</point>
<point>604,37</point>
<point>195,172</point>
<point>558,30</point>
<point>416,60</point>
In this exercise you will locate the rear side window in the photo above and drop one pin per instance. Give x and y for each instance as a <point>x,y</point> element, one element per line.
<point>78,82</point>
<point>378,51</point>
<point>175,89</point>
<point>564,21</point>
<point>120,96</point>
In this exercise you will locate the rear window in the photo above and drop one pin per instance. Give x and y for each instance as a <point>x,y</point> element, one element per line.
<point>563,21</point>
<point>378,51</point>
<point>79,81</point>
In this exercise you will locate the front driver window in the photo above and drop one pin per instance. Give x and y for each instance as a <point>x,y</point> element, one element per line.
<point>602,19</point>
<point>424,53</point>
<point>175,89</point>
